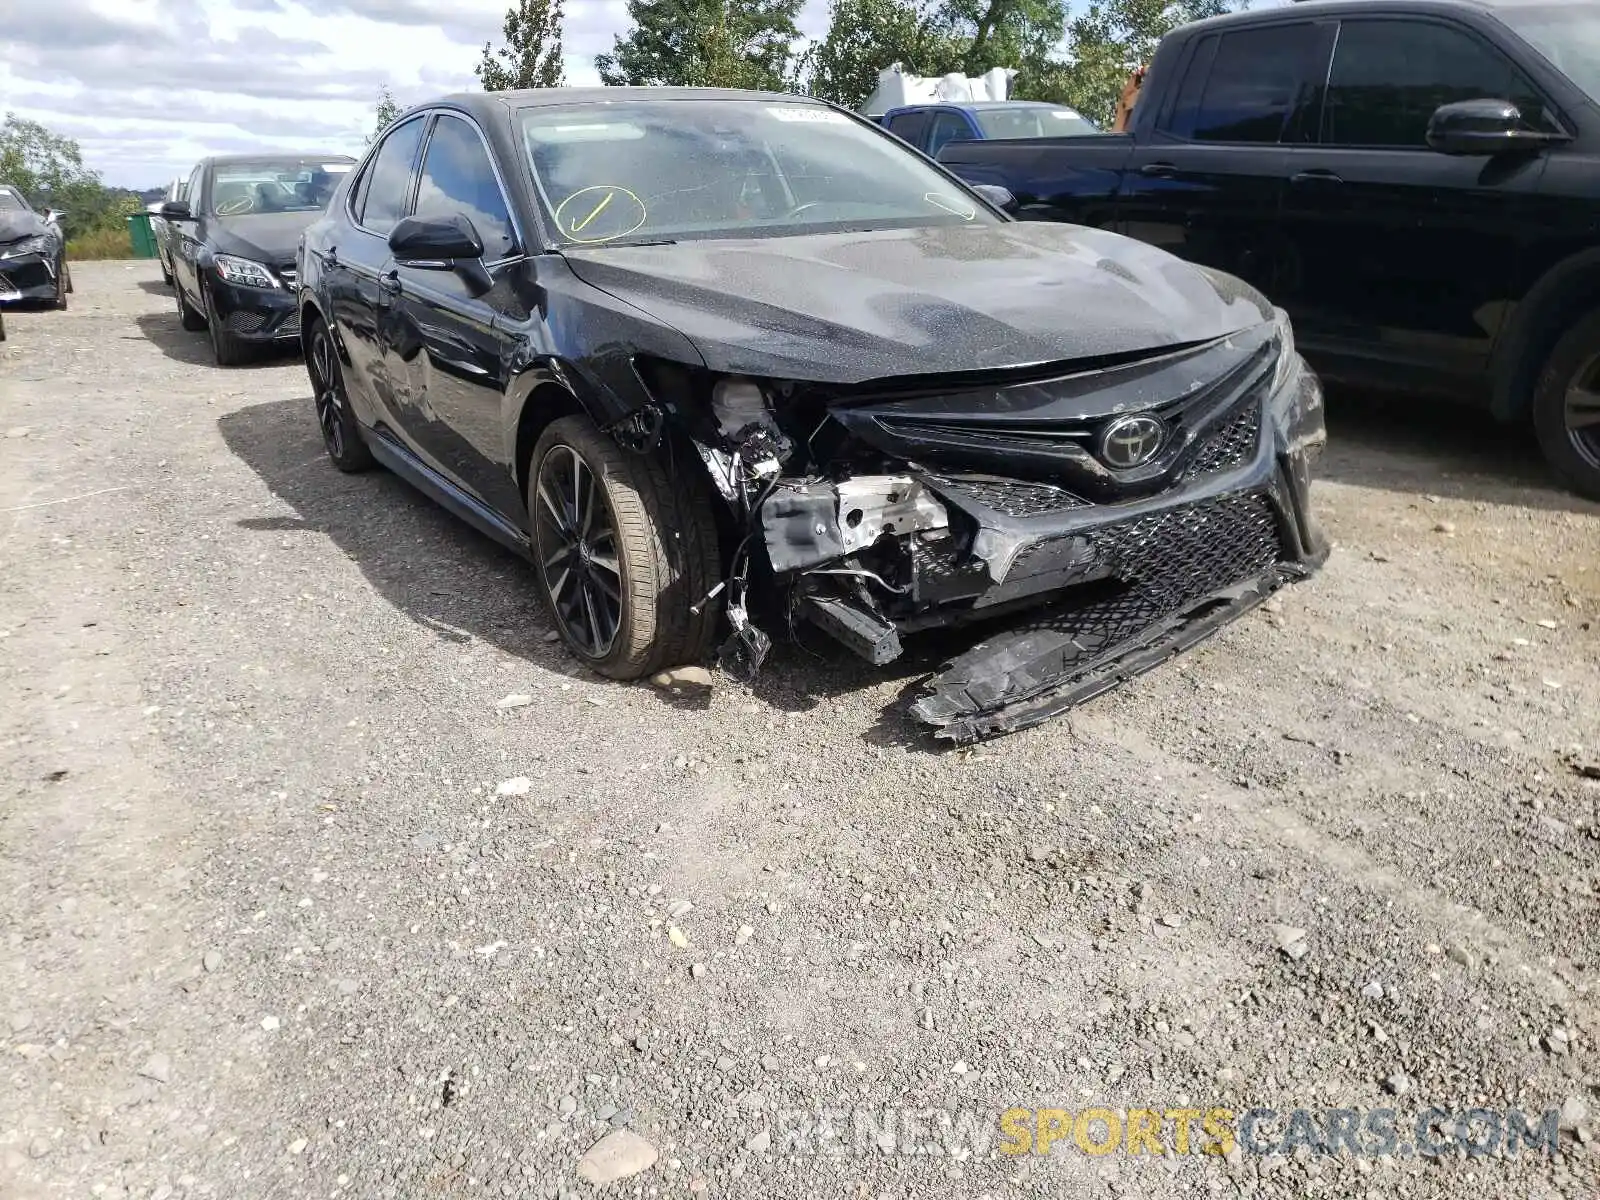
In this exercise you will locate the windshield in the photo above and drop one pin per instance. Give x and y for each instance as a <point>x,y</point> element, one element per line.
<point>274,185</point>
<point>12,201</point>
<point>1031,121</point>
<point>1566,34</point>
<point>659,170</point>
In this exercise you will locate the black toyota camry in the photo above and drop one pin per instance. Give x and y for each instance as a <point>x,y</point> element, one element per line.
<point>723,363</point>
<point>232,241</point>
<point>33,252</point>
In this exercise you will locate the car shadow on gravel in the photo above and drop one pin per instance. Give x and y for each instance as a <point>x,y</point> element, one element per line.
<point>194,349</point>
<point>1414,444</point>
<point>155,287</point>
<point>461,585</point>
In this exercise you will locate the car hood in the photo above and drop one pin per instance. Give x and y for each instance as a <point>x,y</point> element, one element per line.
<point>854,307</point>
<point>270,238</point>
<point>14,225</point>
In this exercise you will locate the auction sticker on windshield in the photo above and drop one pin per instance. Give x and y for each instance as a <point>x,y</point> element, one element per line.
<point>794,112</point>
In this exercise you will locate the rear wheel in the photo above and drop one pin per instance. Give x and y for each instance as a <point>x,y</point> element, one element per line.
<point>1566,407</point>
<point>341,433</point>
<point>623,553</point>
<point>228,350</point>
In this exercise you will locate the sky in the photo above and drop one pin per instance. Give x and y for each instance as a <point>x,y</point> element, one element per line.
<point>147,87</point>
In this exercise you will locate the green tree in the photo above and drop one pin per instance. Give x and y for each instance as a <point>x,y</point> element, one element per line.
<point>865,36</point>
<point>384,114</point>
<point>48,169</point>
<point>1005,33</point>
<point>1105,43</point>
<point>531,57</point>
<point>706,43</point>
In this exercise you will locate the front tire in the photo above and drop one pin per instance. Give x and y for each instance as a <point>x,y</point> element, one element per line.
<point>341,432</point>
<point>1566,407</point>
<point>192,321</point>
<point>63,284</point>
<point>622,552</point>
<point>227,349</point>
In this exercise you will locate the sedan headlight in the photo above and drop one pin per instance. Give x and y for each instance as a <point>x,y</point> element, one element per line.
<point>1288,365</point>
<point>37,244</point>
<point>244,271</point>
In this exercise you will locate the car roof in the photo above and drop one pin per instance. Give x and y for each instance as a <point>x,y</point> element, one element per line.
<point>222,160</point>
<point>480,102</point>
<point>1344,7</point>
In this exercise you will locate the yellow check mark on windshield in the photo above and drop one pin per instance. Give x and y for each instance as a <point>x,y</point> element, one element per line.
<point>579,226</point>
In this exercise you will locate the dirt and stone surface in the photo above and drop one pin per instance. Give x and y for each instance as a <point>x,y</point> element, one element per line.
<point>325,872</point>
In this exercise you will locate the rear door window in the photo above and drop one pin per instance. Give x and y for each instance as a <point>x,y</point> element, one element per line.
<point>1242,86</point>
<point>911,127</point>
<point>385,191</point>
<point>1389,76</point>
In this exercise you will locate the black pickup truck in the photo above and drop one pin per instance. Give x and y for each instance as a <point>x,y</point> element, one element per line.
<point>1417,182</point>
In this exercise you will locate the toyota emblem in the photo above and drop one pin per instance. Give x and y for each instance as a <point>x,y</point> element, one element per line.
<point>1132,441</point>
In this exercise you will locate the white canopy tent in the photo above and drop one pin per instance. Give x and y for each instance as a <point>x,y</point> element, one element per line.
<point>896,88</point>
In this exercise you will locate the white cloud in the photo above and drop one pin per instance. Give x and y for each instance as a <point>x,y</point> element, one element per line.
<point>149,86</point>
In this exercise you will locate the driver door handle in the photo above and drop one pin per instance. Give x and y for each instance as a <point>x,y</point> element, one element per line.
<point>388,287</point>
<point>1318,178</point>
<point>1159,170</point>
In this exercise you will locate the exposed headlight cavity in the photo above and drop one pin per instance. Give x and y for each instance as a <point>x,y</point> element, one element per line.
<point>738,404</point>
<point>1287,366</point>
<point>37,244</point>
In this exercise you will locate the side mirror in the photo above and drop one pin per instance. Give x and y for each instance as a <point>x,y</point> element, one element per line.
<point>53,216</point>
<point>177,210</point>
<point>996,195</point>
<point>1485,127</point>
<point>435,243</point>
<point>441,244</point>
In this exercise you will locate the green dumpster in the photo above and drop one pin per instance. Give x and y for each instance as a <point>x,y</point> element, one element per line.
<point>139,233</point>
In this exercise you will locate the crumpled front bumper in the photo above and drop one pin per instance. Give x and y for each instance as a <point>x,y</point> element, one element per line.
<point>27,277</point>
<point>1083,596</point>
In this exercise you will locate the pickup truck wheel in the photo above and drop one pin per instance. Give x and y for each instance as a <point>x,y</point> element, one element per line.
<point>622,551</point>
<point>1566,407</point>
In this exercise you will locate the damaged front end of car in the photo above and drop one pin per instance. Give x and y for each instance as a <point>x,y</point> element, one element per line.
<point>1098,516</point>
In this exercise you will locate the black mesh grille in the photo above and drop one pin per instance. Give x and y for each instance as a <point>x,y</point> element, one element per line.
<point>1012,497</point>
<point>1230,446</point>
<point>1180,554</point>
<point>244,322</point>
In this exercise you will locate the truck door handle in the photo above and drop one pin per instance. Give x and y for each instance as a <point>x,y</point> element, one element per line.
<point>388,287</point>
<point>1159,170</point>
<point>1317,178</point>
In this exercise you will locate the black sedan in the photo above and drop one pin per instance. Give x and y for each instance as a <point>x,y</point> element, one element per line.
<point>720,358</point>
<point>232,241</point>
<point>33,253</point>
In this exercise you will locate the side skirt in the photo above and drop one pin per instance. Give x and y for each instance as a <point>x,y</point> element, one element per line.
<point>444,493</point>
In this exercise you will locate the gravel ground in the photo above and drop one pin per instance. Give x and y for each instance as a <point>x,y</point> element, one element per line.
<point>293,905</point>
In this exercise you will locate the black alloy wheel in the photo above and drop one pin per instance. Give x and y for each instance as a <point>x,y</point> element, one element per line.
<point>188,318</point>
<point>576,537</point>
<point>1566,407</point>
<point>1581,411</point>
<point>228,350</point>
<point>341,436</point>
<point>625,548</point>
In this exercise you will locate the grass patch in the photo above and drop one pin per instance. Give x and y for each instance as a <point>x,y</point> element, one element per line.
<point>112,242</point>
